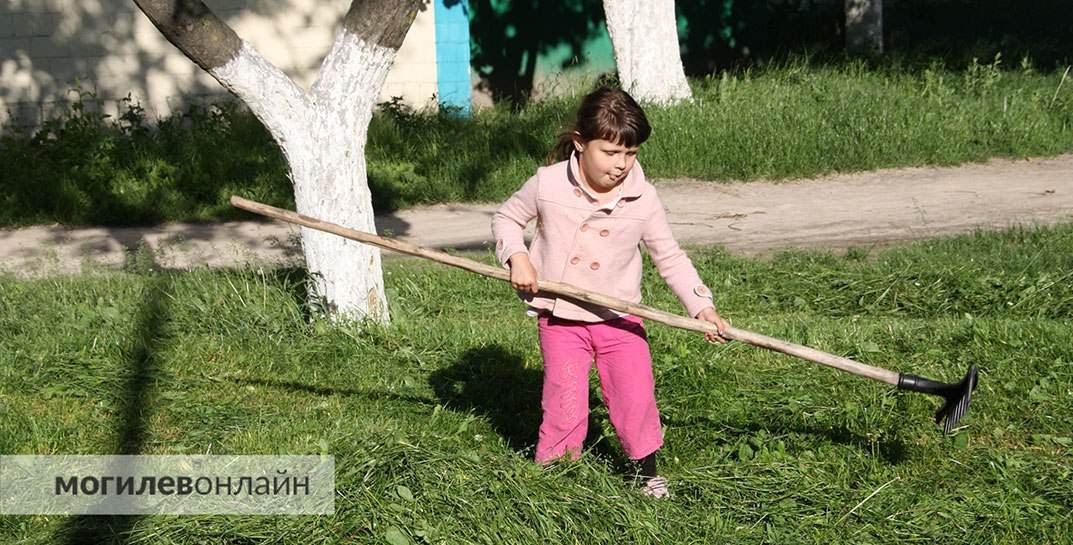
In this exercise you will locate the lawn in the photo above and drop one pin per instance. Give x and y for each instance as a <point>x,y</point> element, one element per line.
<point>432,419</point>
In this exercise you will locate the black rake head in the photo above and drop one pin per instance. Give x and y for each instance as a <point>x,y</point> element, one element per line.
<point>956,396</point>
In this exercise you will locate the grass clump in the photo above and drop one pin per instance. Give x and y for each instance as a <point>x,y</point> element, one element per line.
<point>433,419</point>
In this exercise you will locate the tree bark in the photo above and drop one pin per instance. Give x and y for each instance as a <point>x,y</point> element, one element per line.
<point>864,27</point>
<point>644,35</point>
<point>322,132</point>
<point>194,29</point>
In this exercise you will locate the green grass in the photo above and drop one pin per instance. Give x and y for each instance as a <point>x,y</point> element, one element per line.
<point>784,121</point>
<point>443,404</point>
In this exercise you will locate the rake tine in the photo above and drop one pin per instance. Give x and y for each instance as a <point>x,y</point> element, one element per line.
<point>956,396</point>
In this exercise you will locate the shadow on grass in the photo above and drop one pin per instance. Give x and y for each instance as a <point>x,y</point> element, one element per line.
<point>134,411</point>
<point>892,450</point>
<point>493,382</point>
<point>332,391</point>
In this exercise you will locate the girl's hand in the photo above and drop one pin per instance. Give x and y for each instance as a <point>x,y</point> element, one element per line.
<point>710,315</point>
<point>523,277</point>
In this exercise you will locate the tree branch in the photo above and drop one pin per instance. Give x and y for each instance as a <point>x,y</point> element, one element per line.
<point>208,41</point>
<point>192,27</point>
<point>383,22</point>
<point>361,55</point>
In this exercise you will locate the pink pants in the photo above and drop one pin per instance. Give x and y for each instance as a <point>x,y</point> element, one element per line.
<point>620,349</point>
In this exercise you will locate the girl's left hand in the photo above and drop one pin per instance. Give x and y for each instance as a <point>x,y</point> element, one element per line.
<point>710,315</point>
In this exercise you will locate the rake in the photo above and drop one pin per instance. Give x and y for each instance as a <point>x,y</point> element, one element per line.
<point>956,396</point>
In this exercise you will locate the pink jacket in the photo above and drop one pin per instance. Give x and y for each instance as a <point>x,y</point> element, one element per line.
<point>597,248</point>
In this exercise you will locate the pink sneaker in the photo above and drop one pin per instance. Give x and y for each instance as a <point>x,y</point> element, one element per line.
<point>656,487</point>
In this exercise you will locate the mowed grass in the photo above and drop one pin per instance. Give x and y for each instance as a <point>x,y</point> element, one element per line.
<point>432,420</point>
<point>787,120</point>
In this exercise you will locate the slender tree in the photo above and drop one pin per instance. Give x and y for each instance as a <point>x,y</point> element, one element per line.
<point>322,131</point>
<point>864,26</point>
<point>644,34</point>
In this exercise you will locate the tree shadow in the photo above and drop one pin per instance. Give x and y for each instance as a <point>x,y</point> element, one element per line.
<point>133,414</point>
<point>102,45</point>
<point>317,390</point>
<point>716,35</point>
<point>507,38</point>
<point>931,29</point>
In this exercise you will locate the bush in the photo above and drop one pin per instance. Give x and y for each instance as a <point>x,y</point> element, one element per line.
<point>85,168</point>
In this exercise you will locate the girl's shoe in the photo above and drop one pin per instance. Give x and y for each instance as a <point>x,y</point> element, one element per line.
<point>656,487</point>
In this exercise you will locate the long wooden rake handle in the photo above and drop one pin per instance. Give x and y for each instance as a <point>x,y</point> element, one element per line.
<point>573,292</point>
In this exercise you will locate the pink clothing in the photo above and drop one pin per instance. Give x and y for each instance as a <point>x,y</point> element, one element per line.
<point>622,359</point>
<point>590,246</point>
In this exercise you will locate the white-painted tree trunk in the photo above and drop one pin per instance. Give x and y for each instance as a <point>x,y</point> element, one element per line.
<point>322,134</point>
<point>644,34</point>
<point>864,26</point>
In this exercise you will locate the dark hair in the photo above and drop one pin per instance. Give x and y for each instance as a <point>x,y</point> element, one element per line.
<point>606,114</point>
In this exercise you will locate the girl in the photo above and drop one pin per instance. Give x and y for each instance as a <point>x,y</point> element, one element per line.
<point>593,207</point>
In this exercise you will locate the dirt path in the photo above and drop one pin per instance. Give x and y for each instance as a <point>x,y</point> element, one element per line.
<point>862,209</point>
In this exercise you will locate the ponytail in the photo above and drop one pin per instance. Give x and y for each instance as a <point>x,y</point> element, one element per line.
<point>563,148</point>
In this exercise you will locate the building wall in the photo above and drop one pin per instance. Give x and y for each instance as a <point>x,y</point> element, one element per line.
<point>48,47</point>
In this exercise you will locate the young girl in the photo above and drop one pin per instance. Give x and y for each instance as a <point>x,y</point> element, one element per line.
<point>593,207</point>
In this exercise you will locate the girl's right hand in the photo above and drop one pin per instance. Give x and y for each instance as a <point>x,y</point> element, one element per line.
<point>523,276</point>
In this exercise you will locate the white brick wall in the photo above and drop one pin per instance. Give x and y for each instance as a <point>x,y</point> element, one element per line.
<point>113,49</point>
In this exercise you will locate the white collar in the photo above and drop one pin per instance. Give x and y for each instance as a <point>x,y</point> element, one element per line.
<point>610,205</point>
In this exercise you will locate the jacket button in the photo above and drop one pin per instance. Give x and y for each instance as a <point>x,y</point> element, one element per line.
<point>577,192</point>
<point>575,260</point>
<point>595,266</point>
<point>620,204</point>
<point>584,227</point>
<point>604,232</point>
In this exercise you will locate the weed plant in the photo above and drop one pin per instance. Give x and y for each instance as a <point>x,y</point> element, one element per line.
<point>786,120</point>
<point>432,419</point>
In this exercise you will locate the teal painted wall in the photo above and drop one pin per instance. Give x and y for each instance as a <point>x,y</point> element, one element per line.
<point>452,55</point>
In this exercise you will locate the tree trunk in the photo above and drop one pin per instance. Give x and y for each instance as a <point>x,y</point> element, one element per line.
<point>864,26</point>
<point>322,132</point>
<point>644,34</point>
